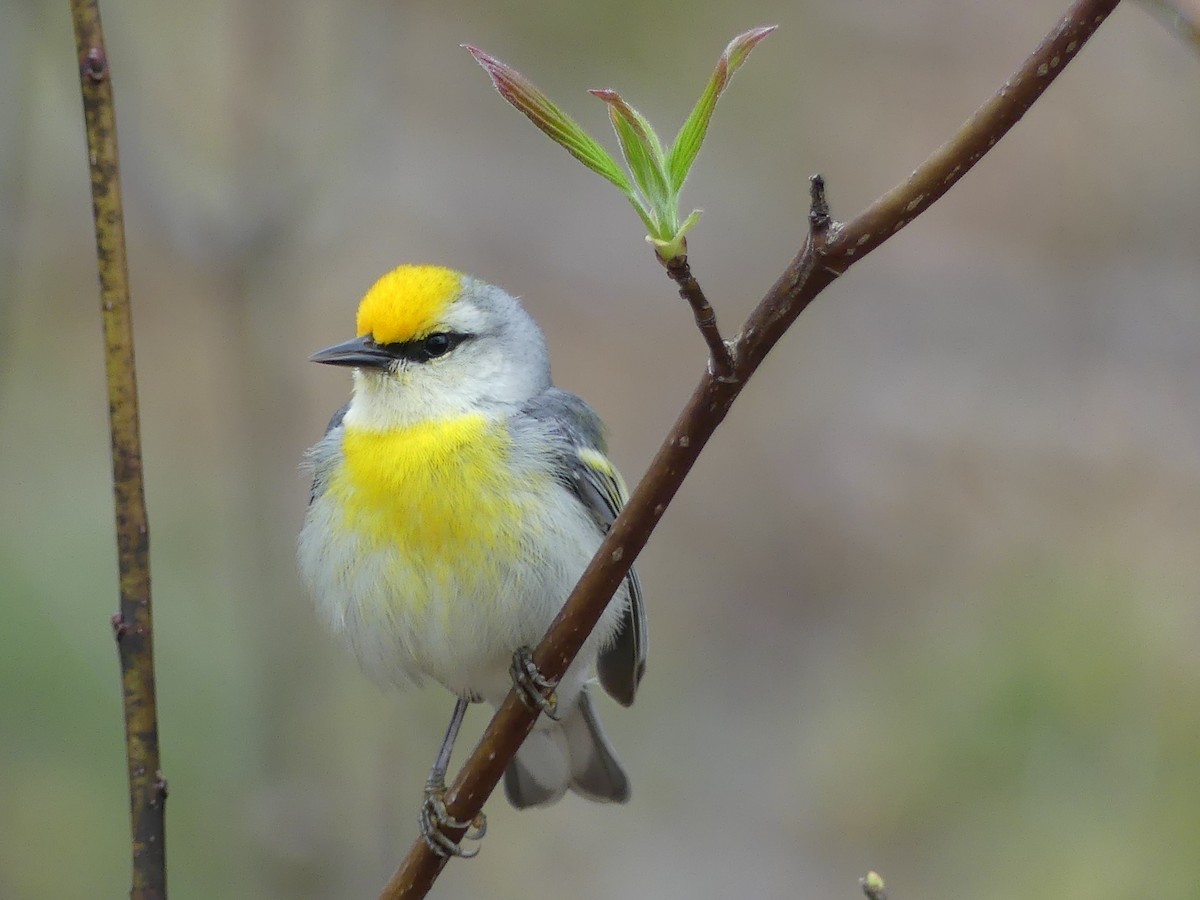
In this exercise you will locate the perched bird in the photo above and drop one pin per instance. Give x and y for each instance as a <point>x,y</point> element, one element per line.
<point>456,500</point>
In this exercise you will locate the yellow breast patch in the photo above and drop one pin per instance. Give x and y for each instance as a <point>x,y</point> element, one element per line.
<point>407,303</point>
<point>440,494</point>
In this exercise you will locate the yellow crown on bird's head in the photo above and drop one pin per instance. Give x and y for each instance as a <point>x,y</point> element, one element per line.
<point>407,303</point>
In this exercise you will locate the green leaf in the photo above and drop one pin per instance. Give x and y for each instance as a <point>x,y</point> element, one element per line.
<point>691,135</point>
<point>644,155</point>
<point>657,176</point>
<point>557,125</point>
<point>646,215</point>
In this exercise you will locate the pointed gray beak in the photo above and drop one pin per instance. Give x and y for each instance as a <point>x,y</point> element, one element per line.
<point>360,351</point>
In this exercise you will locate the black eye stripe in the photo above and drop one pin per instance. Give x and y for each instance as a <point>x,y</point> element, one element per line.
<point>429,347</point>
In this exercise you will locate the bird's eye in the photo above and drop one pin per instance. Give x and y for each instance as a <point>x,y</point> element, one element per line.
<point>436,345</point>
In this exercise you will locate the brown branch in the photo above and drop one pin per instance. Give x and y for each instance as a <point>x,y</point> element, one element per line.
<point>721,357</point>
<point>132,625</point>
<point>829,250</point>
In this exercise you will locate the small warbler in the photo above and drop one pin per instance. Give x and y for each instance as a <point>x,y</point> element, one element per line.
<point>456,500</point>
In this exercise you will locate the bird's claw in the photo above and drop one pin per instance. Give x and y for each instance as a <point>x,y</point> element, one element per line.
<point>535,689</point>
<point>435,818</point>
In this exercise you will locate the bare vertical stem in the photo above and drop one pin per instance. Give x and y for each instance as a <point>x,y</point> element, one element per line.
<point>132,625</point>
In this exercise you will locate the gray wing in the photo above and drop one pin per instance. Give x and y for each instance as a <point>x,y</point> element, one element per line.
<point>622,664</point>
<point>322,457</point>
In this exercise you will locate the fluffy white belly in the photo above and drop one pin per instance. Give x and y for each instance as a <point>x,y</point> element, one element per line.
<point>453,619</point>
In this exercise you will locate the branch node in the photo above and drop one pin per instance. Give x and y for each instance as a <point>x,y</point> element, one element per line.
<point>730,375</point>
<point>95,64</point>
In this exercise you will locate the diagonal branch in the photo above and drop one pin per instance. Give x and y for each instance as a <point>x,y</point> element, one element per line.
<point>828,252</point>
<point>132,625</point>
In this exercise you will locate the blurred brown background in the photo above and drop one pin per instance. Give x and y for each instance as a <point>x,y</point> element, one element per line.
<point>928,603</point>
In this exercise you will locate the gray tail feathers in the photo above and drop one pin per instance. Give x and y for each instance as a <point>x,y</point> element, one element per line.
<point>574,754</point>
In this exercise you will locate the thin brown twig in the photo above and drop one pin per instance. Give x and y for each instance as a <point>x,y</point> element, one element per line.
<point>132,625</point>
<point>719,351</point>
<point>829,250</point>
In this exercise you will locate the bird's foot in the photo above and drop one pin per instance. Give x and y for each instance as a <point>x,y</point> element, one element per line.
<point>535,689</point>
<point>435,818</point>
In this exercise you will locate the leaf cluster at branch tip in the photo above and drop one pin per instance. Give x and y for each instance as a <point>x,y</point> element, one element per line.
<point>656,173</point>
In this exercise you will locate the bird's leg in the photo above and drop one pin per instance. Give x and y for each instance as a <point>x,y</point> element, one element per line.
<point>535,689</point>
<point>437,775</point>
<point>434,816</point>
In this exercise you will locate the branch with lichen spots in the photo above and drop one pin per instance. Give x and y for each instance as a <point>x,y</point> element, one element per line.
<point>830,249</point>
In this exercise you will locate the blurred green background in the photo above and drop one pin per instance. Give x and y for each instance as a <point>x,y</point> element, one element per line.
<point>928,603</point>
